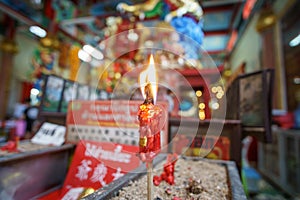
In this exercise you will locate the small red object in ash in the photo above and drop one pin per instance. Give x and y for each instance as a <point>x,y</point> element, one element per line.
<point>170,180</point>
<point>156,180</point>
<point>168,191</point>
<point>10,146</point>
<point>176,198</point>
<point>168,173</point>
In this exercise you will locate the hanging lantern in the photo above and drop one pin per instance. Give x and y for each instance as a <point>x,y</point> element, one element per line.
<point>50,42</point>
<point>266,19</point>
<point>74,62</point>
<point>63,59</point>
<point>9,46</point>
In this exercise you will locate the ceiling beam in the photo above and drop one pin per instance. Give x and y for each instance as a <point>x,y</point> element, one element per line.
<point>16,15</point>
<point>216,3</point>
<point>29,22</point>
<point>79,20</point>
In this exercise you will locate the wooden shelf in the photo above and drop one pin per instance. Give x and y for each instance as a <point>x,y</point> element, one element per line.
<point>175,121</point>
<point>53,117</point>
<point>197,72</point>
<point>53,114</point>
<point>230,129</point>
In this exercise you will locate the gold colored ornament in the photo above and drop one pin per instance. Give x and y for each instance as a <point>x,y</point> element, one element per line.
<point>63,59</point>
<point>138,9</point>
<point>56,43</point>
<point>164,24</point>
<point>266,19</point>
<point>117,75</point>
<point>86,192</point>
<point>46,42</point>
<point>202,106</point>
<point>50,42</point>
<point>196,151</point>
<point>74,62</point>
<point>185,7</point>
<point>143,107</point>
<point>227,73</point>
<point>143,141</point>
<point>9,46</point>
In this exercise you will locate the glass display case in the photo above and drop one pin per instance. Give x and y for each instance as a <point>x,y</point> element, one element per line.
<point>280,160</point>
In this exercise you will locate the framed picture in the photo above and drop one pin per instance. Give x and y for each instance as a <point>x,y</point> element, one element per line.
<point>255,102</point>
<point>83,92</point>
<point>69,94</point>
<point>52,93</point>
<point>103,95</point>
<point>252,100</point>
<point>94,94</point>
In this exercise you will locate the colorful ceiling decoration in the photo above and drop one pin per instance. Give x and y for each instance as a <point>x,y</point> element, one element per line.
<point>88,21</point>
<point>217,20</point>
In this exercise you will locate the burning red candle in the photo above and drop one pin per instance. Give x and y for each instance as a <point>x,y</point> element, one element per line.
<point>149,115</point>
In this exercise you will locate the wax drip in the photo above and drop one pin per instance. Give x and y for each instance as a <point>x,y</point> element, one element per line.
<point>149,95</point>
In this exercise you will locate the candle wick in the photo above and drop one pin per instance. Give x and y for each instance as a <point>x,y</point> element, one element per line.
<point>149,95</point>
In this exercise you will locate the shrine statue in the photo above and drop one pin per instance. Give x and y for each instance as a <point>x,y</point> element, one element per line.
<point>185,16</point>
<point>184,7</point>
<point>178,8</point>
<point>42,62</point>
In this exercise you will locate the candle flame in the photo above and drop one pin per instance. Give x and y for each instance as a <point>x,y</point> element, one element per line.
<point>148,77</point>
